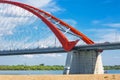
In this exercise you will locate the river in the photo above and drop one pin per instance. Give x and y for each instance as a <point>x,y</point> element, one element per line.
<point>46,72</point>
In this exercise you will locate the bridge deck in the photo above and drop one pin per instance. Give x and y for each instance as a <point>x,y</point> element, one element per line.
<point>101,46</point>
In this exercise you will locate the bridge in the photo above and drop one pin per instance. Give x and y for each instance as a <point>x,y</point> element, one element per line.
<point>81,59</point>
<point>97,47</point>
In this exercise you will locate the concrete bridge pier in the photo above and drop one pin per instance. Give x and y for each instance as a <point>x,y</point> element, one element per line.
<point>83,62</point>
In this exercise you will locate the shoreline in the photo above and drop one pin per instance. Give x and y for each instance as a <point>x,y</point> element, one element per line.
<point>62,77</point>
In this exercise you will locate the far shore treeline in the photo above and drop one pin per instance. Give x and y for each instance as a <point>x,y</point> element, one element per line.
<point>32,67</point>
<point>46,67</point>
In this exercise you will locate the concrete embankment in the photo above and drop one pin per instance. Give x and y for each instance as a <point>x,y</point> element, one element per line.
<point>62,77</point>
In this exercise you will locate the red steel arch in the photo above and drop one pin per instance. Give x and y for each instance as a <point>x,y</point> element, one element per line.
<point>67,45</point>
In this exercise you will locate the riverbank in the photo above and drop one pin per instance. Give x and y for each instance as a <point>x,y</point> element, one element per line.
<point>46,67</point>
<point>62,77</point>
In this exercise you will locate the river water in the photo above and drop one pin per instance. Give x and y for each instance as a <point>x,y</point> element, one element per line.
<point>46,72</point>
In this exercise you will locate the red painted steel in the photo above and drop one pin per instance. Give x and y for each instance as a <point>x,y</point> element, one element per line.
<point>67,45</point>
<point>84,38</point>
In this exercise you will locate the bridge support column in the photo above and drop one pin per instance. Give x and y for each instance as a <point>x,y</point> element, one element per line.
<point>83,62</point>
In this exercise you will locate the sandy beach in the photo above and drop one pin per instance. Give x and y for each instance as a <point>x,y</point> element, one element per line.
<point>62,77</point>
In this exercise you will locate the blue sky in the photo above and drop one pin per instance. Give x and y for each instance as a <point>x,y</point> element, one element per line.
<point>98,19</point>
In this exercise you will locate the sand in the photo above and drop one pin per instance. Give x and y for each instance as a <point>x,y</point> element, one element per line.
<point>61,77</point>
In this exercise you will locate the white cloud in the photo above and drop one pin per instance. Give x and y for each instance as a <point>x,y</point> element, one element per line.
<point>37,3</point>
<point>47,5</point>
<point>107,23</point>
<point>105,35</point>
<point>10,10</point>
<point>28,56</point>
<point>109,37</point>
<point>25,44</point>
<point>116,25</point>
<point>102,30</point>
<point>72,22</point>
<point>12,16</point>
<point>52,55</point>
<point>110,33</point>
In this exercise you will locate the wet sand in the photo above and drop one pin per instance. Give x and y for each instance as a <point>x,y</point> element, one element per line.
<point>62,77</point>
